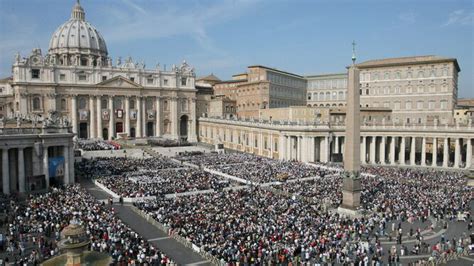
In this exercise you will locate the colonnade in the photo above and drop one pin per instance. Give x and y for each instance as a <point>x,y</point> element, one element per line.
<point>455,152</point>
<point>27,168</point>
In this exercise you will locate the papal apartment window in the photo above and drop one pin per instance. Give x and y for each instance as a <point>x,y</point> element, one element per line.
<point>35,73</point>
<point>183,81</point>
<point>62,77</point>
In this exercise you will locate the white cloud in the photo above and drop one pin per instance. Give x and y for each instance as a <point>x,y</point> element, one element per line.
<point>151,23</point>
<point>460,17</point>
<point>407,17</point>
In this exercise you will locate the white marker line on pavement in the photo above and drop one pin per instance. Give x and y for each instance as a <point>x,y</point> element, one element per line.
<point>158,238</point>
<point>199,262</point>
<point>467,258</point>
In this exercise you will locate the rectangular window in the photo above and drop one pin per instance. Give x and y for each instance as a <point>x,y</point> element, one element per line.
<point>132,79</point>
<point>104,78</point>
<point>62,77</point>
<point>82,77</point>
<point>408,105</point>
<point>35,73</point>
<point>183,81</point>
<point>149,81</point>
<point>165,82</point>
<point>419,105</point>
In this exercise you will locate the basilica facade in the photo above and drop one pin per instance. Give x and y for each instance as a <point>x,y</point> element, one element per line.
<point>78,79</point>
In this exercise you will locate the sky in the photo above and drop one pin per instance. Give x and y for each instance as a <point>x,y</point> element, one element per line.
<point>223,37</point>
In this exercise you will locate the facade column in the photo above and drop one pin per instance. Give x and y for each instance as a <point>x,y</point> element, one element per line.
<point>382,150</point>
<point>413,151</point>
<point>402,151</point>
<point>138,133</point>
<point>423,151</point>
<point>336,145</point>
<point>74,113</point>
<point>446,153</point>
<point>192,136</point>
<point>5,172</point>
<point>111,117</point>
<point>260,143</point>
<point>99,117</point>
<point>92,128</point>
<point>468,153</point>
<point>21,170</point>
<point>362,150</point>
<point>372,155</point>
<point>392,150</point>
<point>158,116</point>
<point>457,153</point>
<point>434,152</point>
<point>174,118</point>
<point>127,115</point>
<point>144,117</point>
<point>271,145</point>
<point>66,165</point>
<point>46,165</point>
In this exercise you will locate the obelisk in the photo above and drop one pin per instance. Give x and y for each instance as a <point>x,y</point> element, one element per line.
<point>352,184</point>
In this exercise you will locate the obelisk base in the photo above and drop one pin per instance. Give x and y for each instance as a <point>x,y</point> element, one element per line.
<point>350,196</point>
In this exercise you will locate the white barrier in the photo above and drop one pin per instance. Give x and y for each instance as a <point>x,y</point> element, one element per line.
<point>241,180</point>
<point>115,196</point>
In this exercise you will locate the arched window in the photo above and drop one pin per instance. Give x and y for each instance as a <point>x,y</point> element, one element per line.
<point>36,103</point>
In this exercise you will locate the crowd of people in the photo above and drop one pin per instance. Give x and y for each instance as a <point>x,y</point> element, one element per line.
<point>34,229</point>
<point>258,226</point>
<point>253,168</point>
<point>130,177</point>
<point>162,182</point>
<point>96,145</point>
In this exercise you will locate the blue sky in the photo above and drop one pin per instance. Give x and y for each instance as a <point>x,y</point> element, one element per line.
<point>225,36</point>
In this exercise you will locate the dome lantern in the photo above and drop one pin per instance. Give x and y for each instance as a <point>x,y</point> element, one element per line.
<point>78,12</point>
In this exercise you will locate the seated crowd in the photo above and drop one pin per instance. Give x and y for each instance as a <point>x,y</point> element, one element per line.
<point>96,145</point>
<point>34,229</point>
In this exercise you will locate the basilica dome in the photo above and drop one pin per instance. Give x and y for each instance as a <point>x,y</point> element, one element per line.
<point>77,40</point>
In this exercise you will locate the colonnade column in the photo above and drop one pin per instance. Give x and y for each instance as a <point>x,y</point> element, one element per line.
<point>192,132</point>
<point>158,116</point>
<point>336,145</point>
<point>402,151</point>
<point>282,147</point>
<point>74,113</point>
<point>373,142</point>
<point>21,170</point>
<point>392,150</point>
<point>469,154</point>
<point>413,151</point>
<point>111,117</point>
<point>66,164</point>
<point>5,172</point>
<point>382,150</point>
<point>363,151</point>
<point>92,128</point>
<point>71,163</point>
<point>457,153</point>
<point>327,151</point>
<point>423,151</point>
<point>446,152</point>
<point>46,165</point>
<point>434,152</point>
<point>99,117</point>
<point>138,133</point>
<point>288,148</point>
